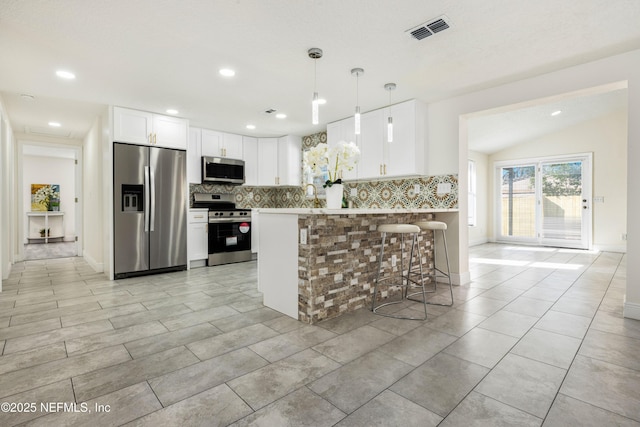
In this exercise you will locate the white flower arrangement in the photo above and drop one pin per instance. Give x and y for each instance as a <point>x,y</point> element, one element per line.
<point>342,156</point>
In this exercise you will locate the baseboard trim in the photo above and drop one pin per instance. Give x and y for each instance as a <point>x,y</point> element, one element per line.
<point>631,310</point>
<point>97,266</point>
<point>460,278</point>
<point>611,248</point>
<point>480,241</point>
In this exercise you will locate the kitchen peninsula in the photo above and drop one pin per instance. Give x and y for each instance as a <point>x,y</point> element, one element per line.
<point>316,264</point>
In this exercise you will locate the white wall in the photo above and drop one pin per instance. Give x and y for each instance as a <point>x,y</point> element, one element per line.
<point>7,195</point>
<point>94,215</point>
<point>606,138</point>
<point>448,138</point>
<point>51,170</point>
<point>479,233</point>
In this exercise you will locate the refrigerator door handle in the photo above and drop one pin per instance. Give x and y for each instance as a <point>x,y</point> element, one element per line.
<point>146,199</point>
<point>152,192</point>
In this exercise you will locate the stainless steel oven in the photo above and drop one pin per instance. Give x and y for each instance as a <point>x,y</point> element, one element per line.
<point>229,229</point>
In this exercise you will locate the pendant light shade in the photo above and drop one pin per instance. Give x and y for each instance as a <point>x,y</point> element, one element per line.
<point>357,72</point>
<point>315,53</point>
<point>390,87</point>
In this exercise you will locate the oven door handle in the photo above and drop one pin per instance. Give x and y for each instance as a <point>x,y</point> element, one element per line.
<point>238,220</point>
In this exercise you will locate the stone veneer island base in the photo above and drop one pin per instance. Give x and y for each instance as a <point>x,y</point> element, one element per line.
<point>316,264</point>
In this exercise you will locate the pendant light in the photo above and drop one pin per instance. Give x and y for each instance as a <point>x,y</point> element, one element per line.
<point>390,87</point>
<point>314,53</point>
<point>357,72</point>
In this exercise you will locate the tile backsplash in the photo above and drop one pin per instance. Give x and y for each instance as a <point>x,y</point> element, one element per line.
<point>379,193</point>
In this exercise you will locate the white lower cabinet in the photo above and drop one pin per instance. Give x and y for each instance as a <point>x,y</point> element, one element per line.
<point>198,237</point>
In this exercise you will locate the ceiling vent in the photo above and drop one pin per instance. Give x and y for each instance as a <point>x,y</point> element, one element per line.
<point>429,28</point>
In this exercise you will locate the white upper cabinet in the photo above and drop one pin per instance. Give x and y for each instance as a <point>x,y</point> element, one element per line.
<point>211,143</point>
<point>344,130</point>
<point>267,161</point>
<point>379,158</point>
<point>250,150</point>
<point>405,155</point>
<point>232,146</point>
<point>290,160</point>
<point>194,156</point>
<point>371,146</point>
<point>144,128</point>
<point>221,144</point>
<point>280,161</point>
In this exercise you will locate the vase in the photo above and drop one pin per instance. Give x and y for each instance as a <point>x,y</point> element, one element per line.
<point>334,196</point>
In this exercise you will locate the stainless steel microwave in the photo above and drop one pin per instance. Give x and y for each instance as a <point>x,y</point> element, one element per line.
<point>221,170</point>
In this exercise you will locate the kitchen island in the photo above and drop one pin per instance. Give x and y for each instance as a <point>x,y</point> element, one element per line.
<point>316,264</point>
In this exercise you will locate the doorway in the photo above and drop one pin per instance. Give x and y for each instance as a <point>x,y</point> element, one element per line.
<point>50,180</point>
<point>545,201</point>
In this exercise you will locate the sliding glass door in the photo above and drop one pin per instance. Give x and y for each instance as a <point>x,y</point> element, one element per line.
<point>545,201</point>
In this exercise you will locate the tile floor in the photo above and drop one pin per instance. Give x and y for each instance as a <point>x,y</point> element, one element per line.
<point>536,339</point>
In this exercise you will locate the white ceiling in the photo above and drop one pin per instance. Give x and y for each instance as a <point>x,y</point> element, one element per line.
<point>159,54</point>
<point>490,132</point>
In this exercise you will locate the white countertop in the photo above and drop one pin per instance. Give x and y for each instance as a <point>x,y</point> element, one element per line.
<point>366,211</point>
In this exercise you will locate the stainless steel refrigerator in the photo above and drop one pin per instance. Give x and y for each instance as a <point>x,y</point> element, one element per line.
<point>150,219</point>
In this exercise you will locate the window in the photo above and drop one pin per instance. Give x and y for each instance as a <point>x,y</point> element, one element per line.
<point>472,193</point>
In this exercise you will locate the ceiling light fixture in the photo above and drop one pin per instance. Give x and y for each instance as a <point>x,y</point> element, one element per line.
<point>357,72</point>
<point>54,124</point>
<point>227,72</point>
<point>251,127</point>
<point>390,87</point>
<point>322,101</point>
<point>556,113</point>
<point>315,53</point>
<point>65,75</point>
<point>172,111</point>
<point>281,116</point>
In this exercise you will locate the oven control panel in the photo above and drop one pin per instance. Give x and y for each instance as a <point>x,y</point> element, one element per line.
<point>231,214</point>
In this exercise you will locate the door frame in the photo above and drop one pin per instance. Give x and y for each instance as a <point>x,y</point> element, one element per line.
<point>587,191</point>
<point>77,190</point>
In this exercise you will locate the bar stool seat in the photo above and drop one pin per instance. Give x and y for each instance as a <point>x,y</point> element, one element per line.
<point>437,273</point>
<point>405,281</point>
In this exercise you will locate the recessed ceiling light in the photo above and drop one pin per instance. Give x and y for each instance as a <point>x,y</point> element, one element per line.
<point>27,97</point>
<point>227,72</point>
<point>54,124</point>
<point>172,111</point>
<point>65,75</point>
<point>281,116</point>
<point>322,101</point>
<point>251,127</point>
<point>556,113</point>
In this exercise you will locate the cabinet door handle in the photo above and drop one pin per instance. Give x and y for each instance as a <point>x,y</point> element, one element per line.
<point>380,168</point>
<point>155,138</point>
<point>385,168</point>
<point>151,138</point>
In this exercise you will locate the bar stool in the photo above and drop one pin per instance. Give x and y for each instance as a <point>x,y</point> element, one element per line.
<point>405,281</point>
<point>437,273</point>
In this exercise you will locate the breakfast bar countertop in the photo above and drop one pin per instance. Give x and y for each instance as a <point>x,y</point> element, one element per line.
<point>354,211</point>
